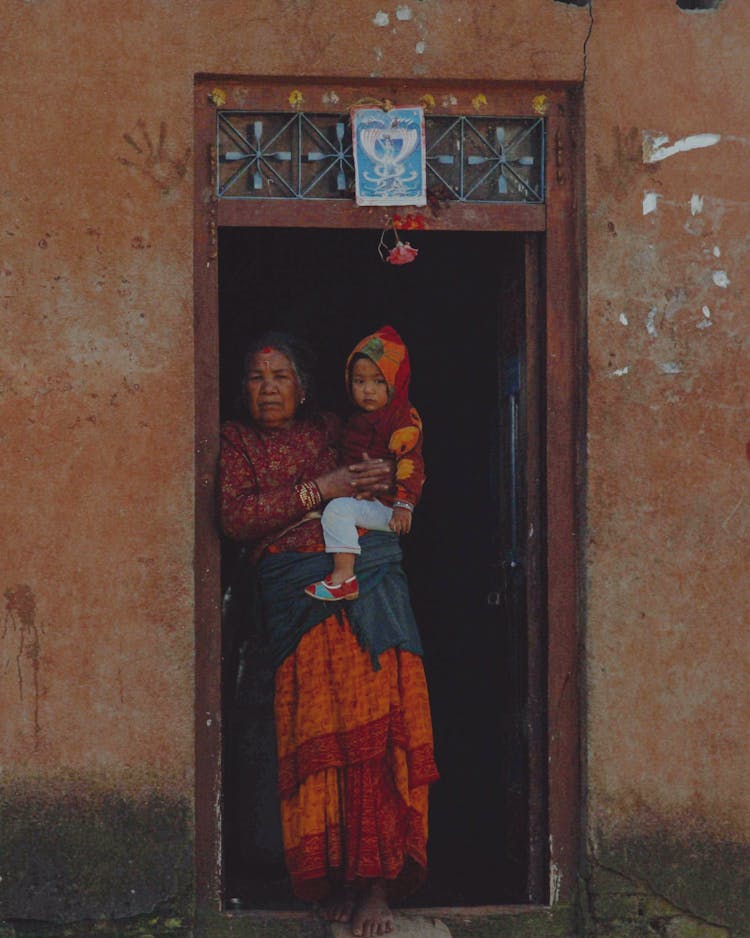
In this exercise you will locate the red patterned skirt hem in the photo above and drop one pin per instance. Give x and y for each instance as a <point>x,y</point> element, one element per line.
<point>355,764</point>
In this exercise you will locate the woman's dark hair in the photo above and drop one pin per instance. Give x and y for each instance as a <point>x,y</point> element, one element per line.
<point>300,355</point>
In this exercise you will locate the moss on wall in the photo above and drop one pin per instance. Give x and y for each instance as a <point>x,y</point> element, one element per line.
<point>76,851</point>
<point>668,883</point>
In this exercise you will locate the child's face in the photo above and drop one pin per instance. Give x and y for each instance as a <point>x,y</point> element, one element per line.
<point>369,387</point>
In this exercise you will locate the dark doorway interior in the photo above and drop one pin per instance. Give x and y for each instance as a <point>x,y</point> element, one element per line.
<point>459,308</point>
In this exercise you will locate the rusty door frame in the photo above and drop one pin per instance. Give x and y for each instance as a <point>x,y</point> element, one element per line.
<point>554,260</point>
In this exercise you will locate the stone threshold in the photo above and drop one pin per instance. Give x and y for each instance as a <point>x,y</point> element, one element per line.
<point>442,922</point>
<point>449,922</point>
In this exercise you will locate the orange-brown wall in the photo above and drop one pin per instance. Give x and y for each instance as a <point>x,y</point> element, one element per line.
<point>96,281</point>
<point>668,525</point>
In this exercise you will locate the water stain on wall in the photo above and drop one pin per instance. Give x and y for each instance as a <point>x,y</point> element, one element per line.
<point>21,653</point>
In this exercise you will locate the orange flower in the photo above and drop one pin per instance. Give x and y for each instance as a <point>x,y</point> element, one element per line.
<point>540,104</point>
<point>412,222</point>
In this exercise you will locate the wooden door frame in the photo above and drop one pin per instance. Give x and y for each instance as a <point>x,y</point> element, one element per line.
<point>553,258</point>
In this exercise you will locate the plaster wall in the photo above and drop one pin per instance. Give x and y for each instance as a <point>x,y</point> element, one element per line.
<point>668,523</point>
<point>96,685</point>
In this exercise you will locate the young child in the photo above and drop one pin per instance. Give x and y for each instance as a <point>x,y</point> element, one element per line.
<point>384,426</point>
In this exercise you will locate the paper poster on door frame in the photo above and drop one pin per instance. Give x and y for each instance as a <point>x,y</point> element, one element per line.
<point>389,156</point>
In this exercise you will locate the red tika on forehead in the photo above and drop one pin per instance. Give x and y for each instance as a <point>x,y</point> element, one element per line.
<point>267,350</point>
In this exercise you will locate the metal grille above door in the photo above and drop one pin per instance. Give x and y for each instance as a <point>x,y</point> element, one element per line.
<point>276,155</point>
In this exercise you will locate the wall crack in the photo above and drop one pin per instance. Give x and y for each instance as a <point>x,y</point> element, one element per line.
<point>602,910</point>
<point>586,41</point>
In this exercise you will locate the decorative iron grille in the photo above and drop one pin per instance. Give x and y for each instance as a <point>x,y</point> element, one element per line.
<point>273,155</point>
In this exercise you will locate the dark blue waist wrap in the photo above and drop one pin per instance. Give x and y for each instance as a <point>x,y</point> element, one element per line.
<point>380,618</point>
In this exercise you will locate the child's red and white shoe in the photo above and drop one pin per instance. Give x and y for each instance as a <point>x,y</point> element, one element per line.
<point>332,592</point>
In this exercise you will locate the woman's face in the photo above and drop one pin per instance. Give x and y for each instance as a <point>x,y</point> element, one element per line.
<point>273,391</point>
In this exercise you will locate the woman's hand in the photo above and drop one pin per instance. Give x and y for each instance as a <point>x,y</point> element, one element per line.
<point>366,479</point>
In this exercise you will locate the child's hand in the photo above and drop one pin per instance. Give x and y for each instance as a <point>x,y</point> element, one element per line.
<point>400,521</point>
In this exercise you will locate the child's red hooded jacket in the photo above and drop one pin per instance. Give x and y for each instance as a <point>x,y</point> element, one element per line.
<point>393,431</point>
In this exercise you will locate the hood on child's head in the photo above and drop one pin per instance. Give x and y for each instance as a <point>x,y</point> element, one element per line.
<point>385,349</point>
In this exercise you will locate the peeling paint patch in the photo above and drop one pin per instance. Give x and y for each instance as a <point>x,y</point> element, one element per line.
<point>651,322</point>
<point>696,204</point>
<point>721,279</point>
<point>624,319</point>
<point>381,18</point>
<point>670,368</point>
<point>716,251</point>
<point>655,150</point>
<point>555,881</point>
<point>450,100</point>
<point>650,200</point>
<point>706,321</point>
<point>330,97</point>
<point>420,47</point>
<point>403,13</point>
<point>620,372</point>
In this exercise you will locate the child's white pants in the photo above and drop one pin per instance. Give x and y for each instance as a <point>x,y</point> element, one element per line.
<point>342,517</point>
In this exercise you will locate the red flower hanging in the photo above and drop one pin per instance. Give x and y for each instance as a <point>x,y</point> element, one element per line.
<point>402,252</point>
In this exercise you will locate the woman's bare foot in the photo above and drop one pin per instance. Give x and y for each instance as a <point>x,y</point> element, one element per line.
<point>340,906</point>
<point>372,916</point>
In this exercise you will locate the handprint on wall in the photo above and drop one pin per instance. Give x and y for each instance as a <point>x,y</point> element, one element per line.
<point>153,159</point>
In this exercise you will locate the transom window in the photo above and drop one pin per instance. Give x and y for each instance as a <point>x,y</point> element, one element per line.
<point>283,155</point>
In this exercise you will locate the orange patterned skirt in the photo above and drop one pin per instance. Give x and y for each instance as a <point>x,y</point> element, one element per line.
<point>355,764</point>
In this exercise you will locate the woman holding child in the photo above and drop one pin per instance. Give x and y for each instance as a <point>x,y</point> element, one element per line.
<point>354,735</point>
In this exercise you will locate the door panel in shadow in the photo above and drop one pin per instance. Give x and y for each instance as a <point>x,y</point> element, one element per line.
<point>458,308</point>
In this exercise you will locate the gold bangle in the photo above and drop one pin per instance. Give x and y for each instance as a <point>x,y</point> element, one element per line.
<point>309,494</point>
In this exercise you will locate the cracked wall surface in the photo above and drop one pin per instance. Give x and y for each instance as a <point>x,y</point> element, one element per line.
<point>96,378</point>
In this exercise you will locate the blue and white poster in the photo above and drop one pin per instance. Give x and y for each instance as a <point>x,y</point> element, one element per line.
<point>389,156</point>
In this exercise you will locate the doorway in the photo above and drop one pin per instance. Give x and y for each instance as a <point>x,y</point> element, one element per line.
<point>461,309</point>
<point>478,262</point>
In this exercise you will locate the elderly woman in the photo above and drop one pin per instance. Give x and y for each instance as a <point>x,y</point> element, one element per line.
<point>354,735</point>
